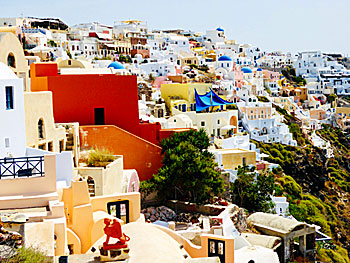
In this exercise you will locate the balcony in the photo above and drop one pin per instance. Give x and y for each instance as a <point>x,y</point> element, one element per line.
<point>11,168</point>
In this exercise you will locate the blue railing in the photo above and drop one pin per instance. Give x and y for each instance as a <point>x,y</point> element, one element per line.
<point>22,167</point>
<point>33,30</point>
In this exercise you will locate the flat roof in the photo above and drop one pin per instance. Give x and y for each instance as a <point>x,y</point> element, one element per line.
<point>228,151</point>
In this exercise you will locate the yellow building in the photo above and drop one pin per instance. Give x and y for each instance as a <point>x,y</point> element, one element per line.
<point>232,158</point>
<point>41,131</point>
<point>343,112</point>
<point>343,117</point>
<point>85,214</point>
<point>74,63</point>
<point>181,96</point>
<point>11,54</point>
<point>286,103</point>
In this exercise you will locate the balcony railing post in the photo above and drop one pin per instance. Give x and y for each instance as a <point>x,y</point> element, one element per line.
<point>14,169</point>
<point>41,166</point>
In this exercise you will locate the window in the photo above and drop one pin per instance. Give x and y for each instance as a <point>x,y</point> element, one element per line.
<point>7,142</point>
<point>61,145</point>
<point>50,146</point>
<point>11,62</point>
<point>9,98</point>
<point>244,161</point>
<point>202,123</point>
<point>119,209</point>
<point>218,121</point>
<point>41,129</point>
<point>42,146</point>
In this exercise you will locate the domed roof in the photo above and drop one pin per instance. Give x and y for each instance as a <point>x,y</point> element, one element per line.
<point>247,70</point>
<point>6,72</point>
<point>225,58</point>
<point>220,29</point>
<point>116,65</point>
<point>259,69</point>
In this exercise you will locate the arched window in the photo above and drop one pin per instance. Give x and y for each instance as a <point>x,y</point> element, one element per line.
<point>41,131</point>
<point>11,62</point>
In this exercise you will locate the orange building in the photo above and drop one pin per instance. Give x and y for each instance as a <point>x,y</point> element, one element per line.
<point>138,153</point>
<point>317,114</point>
<point>299,93</point>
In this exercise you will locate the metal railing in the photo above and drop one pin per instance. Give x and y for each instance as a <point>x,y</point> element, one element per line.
<point>22,167</point>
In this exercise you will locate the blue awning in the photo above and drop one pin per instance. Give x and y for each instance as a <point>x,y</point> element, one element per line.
<point>210,99</point>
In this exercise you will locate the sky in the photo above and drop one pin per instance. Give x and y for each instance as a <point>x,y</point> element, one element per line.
<point>284,25</point>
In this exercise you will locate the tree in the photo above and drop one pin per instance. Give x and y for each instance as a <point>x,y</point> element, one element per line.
<point>331,97</point>
<point>253,193</point>
<point>189,172</point>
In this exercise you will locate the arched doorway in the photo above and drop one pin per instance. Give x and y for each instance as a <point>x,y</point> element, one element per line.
<point>11,61</point>
<point>234,122</point>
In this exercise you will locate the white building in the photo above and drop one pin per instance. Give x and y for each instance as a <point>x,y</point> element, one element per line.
<point>264,124</point>
<point>178,43</point>
<point>281,205</point>
<point>308,62</point>
<point>213,37</point>
<point>129,26</point>
<point>214,123</point>
<point>12,130</point>
<point>224,68</point>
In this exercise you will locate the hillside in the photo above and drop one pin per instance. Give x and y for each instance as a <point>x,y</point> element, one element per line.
<point>318,189</point>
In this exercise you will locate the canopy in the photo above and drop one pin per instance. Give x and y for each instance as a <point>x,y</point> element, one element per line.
<point>39,49</point>
<point>209,99</point>
<point>228,127</point>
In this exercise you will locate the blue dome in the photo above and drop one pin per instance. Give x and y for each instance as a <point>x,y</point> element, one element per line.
<point>259,69</point>
<point>220,29</point>
<point>225,58</point>
<point>116,65</point>
<point>246,70</point>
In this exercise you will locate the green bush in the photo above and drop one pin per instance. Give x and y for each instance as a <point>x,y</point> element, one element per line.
<point>100,158</point>
<point>29,255</point>
<point>336,256</point>
<point>292,188</point>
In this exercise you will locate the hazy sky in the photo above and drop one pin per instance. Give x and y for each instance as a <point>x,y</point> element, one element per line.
<point>286,25</point>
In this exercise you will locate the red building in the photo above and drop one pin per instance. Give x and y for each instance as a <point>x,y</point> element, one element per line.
<point>106,107</point>
<point>138,45</point>
<point>93,99</point>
